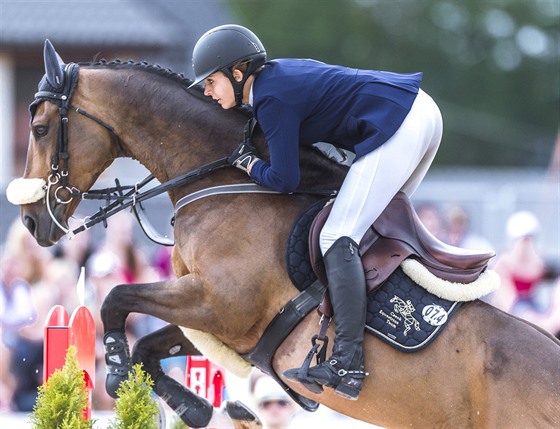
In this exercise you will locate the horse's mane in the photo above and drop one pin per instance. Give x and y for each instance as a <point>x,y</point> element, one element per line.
<point>158,70</point>
<point>316,164</point>
<point>142,66</point>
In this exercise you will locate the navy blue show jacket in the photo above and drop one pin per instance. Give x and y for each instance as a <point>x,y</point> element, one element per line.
<point>301,102</point>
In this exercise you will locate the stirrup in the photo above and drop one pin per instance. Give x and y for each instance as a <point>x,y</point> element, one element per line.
<point>302,374</point>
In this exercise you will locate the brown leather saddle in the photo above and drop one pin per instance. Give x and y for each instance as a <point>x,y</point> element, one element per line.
<point>399,234</point>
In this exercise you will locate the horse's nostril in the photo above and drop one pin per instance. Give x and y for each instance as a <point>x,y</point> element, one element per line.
<point>29,224</point>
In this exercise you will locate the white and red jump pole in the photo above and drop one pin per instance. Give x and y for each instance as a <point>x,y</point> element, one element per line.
<point>63,331</point>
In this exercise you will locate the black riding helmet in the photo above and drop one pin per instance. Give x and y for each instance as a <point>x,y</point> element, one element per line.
<point>223,47</point>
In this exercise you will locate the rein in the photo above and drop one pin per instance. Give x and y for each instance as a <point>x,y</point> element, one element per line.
<point>120,197</point>
<point>118,194</point>
<point>134,197</point>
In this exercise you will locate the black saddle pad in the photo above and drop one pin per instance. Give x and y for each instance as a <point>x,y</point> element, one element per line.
<point>405,315</point>
<point>400,312</point>
<point>298,261</point>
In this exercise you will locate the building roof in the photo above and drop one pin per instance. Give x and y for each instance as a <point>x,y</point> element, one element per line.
<point>146,24</point>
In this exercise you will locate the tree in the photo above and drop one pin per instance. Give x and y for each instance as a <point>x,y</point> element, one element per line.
<point>62,398</point>
<point>135,407</point>
<point>491,65</point>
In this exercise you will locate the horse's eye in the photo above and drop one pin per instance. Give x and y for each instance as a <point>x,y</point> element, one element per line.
<point>40,131</point>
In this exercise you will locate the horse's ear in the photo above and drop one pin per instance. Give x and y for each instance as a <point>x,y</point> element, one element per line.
<point>54,66</point>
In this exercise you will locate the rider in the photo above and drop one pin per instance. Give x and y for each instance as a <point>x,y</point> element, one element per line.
<point>392,126</point>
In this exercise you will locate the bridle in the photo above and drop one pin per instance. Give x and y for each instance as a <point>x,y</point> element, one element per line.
<point>58,175</point>
<point>118,197</point>
<point>121,197</point>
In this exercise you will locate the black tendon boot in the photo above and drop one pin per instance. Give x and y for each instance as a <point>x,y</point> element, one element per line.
<point>344,370</point>
<point>117,360</point>
<point>194,410</point>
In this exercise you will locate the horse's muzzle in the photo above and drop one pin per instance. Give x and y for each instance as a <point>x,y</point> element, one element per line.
<point>40,225</point>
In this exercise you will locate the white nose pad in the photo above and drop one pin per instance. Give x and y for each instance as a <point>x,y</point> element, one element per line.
<point>26,191</point>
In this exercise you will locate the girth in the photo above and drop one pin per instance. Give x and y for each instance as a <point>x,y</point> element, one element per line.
<point>278,330</point>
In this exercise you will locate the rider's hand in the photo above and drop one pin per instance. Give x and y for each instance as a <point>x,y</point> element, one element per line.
<point>244,156</point>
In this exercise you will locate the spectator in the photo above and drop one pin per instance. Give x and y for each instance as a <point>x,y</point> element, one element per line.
<point>119,246</point>
<point>15,296</point>
<point>33,258</point>
<point>274,407</point>
<point>521,267</point>
<point>117,261</point>
<point>546,316</point>
<point>26,363</point>
<point>6,378</point>
<point>78,248</point>
<point>161,261</point>
<point>431,218</point>
<point>459,234</point>
<point>23,267</point>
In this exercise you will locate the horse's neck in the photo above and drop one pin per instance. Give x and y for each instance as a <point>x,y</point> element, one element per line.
<point>319,172</point>
<point>171,131</point>
<point>159,124</point>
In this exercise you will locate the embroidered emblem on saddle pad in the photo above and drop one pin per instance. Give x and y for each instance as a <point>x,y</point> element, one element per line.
<point>405,315</point>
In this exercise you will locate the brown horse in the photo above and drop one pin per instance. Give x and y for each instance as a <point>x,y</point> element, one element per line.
<point>486,369</point>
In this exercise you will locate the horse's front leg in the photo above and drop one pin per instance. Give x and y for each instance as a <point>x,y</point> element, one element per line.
<point>156,299</point>
<point>149,350</point>
<point>177,301</point>
<point>194,410</point>
<point>160,299</point>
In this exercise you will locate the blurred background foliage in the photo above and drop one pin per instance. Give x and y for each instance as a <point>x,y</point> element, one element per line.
<point>491,65</point>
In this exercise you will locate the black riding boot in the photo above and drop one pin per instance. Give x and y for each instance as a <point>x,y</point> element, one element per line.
<point>344,370</point>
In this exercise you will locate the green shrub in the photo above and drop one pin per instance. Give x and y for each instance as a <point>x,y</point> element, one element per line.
<point>62,398</point>
<point>136,408</point>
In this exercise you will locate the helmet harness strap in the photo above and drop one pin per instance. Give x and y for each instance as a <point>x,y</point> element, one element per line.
<point>252,66</point>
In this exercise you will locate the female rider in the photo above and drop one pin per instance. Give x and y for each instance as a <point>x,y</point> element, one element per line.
<point>392,126</point>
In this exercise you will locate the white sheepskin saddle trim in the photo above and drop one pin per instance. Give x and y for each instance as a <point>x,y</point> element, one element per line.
<point>219,353</point>
<point>488,282</point>
<point>25,191</point>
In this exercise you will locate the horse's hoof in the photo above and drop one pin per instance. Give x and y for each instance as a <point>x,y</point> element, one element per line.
<point>241,416</point>
<point>112,384</point>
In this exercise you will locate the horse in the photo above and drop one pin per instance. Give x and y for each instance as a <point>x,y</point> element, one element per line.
<point>487,369</point>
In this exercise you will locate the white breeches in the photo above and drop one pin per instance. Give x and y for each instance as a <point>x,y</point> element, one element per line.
<point>399,164</point>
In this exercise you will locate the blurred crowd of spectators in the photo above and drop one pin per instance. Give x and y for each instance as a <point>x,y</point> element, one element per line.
<point>529,284</point>
<point>34,279</point>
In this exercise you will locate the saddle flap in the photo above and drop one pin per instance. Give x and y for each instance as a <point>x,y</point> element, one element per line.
<point>380,256</point>
<point>396,235</point>
<point>399,221</point>
<point>315,254</point>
